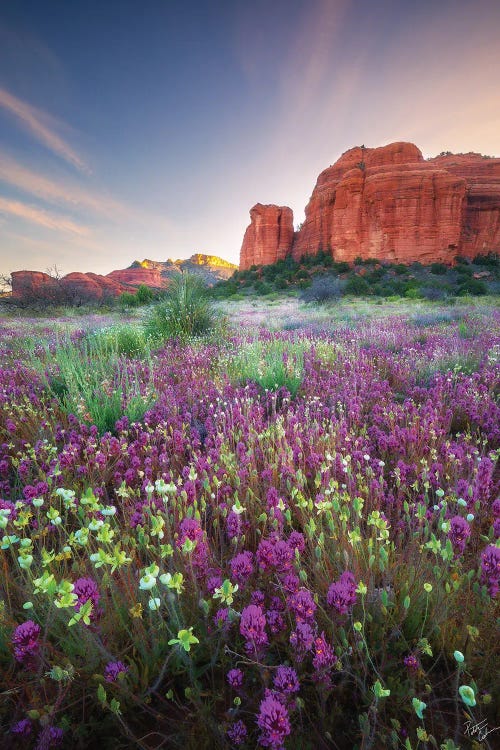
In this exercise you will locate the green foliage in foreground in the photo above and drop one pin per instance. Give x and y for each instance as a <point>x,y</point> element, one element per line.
<point>272,365</point>
<point>92,380</point>
<point>186,313</point>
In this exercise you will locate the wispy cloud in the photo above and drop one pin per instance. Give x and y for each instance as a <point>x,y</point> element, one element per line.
<point>35,121</point>
<point>42,218</point>
<point>61,192</point>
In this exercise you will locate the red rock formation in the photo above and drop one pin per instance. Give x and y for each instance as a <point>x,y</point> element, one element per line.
<point>389,203</point>
<point>269,236</point>
<point>24,283</point>
<point>151,277</point>
<point>75,287</point>
<point>80,287</point>
<point>92,286</point>
<point>481,221</point>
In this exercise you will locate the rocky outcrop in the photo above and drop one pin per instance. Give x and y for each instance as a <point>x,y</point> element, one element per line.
<point>390,204</point>
<point>269,236</point>
<point>75,288</point>
<point>157,274</point>
<point>81,287</point>
<point>481,220</point>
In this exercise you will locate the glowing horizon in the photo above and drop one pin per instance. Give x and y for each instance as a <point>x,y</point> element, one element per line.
<point>152,137</point>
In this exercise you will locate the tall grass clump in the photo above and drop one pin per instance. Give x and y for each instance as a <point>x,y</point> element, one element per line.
<point>92,380</point>
<point>127,340</point>
<point>270,364</point>
<point>186,313</point>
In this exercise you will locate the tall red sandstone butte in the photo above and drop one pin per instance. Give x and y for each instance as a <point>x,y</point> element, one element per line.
<point>269,237</point>
<point>388,203</point>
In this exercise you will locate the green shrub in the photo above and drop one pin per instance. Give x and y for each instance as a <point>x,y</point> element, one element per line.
<point>262,288</point>
<point>186,312</point>
<point>471,286</point>
<point>357,285</point>
<point>490,260</point>
<point>341,266</point>
<point>413,293</point>
<point>400,269</point>
<point>127,299</point>
<point>438,268</point>
<point>144,295</point>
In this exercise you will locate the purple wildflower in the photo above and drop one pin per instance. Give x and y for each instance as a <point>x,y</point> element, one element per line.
<point>235,678</point>
<point>459,533</point>
<point>286,680</point>
<point>237,732</point>
<point>113,670</point>
<point>283,556</point>
<point>303,605</point>
<point>253,624</point>
<point>213,582</point>
<point>265,554</point>
<point>86,589</point>
<point>275,621</point>
<point>411,663</point>
<point>291,583</point>
<point>257,597</point>
<point>233,524</point>
<point>23,728</point>
<point>274,723</point>
<point>25,642</point>
<point>221,617</point>
<point>302,639</point>
<point>342,594</point>
<point>296,541</point>
<point>490,568</point>
<point>324,656</point>
<point>242,566</point>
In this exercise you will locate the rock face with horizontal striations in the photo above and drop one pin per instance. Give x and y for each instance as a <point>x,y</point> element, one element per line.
<point>269,237</point>
<point>390,204</point>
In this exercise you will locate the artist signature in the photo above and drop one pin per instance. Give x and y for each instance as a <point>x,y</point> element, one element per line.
<point>480,729</point>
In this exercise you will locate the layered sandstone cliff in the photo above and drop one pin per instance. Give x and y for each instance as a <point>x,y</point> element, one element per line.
<point>390,204</point>
<point>269,237</point>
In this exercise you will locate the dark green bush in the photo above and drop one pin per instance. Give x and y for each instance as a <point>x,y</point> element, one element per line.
<point>341,266</point>
<point>438,268</point>
<point>357,285</point>
<point>490,260</point>
<point>472,286</point>
<point>261,288</point>
<point>400,269</point>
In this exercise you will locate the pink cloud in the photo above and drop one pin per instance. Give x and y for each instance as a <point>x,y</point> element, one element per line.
<point>34,121</point>
<point>42,218</point>
<point>65,192</point>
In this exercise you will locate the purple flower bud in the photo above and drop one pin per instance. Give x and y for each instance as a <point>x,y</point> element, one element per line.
<point>113,670</point>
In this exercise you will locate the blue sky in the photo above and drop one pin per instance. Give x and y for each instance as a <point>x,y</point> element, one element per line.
<point>148,130</point>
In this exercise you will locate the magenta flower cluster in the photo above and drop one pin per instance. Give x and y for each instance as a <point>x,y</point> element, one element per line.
<point>25,640</point>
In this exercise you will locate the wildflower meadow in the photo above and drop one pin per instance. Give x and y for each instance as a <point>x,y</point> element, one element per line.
<point>257,537</point>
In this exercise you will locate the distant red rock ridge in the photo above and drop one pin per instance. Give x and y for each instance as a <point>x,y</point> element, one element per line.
<point>154,274</point>
<point>387,203</point>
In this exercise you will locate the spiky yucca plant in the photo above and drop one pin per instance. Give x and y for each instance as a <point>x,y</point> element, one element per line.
<point>187,311</point>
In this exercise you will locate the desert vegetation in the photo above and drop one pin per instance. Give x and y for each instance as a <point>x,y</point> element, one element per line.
<point>319,278</point>
<point>226,536</point>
